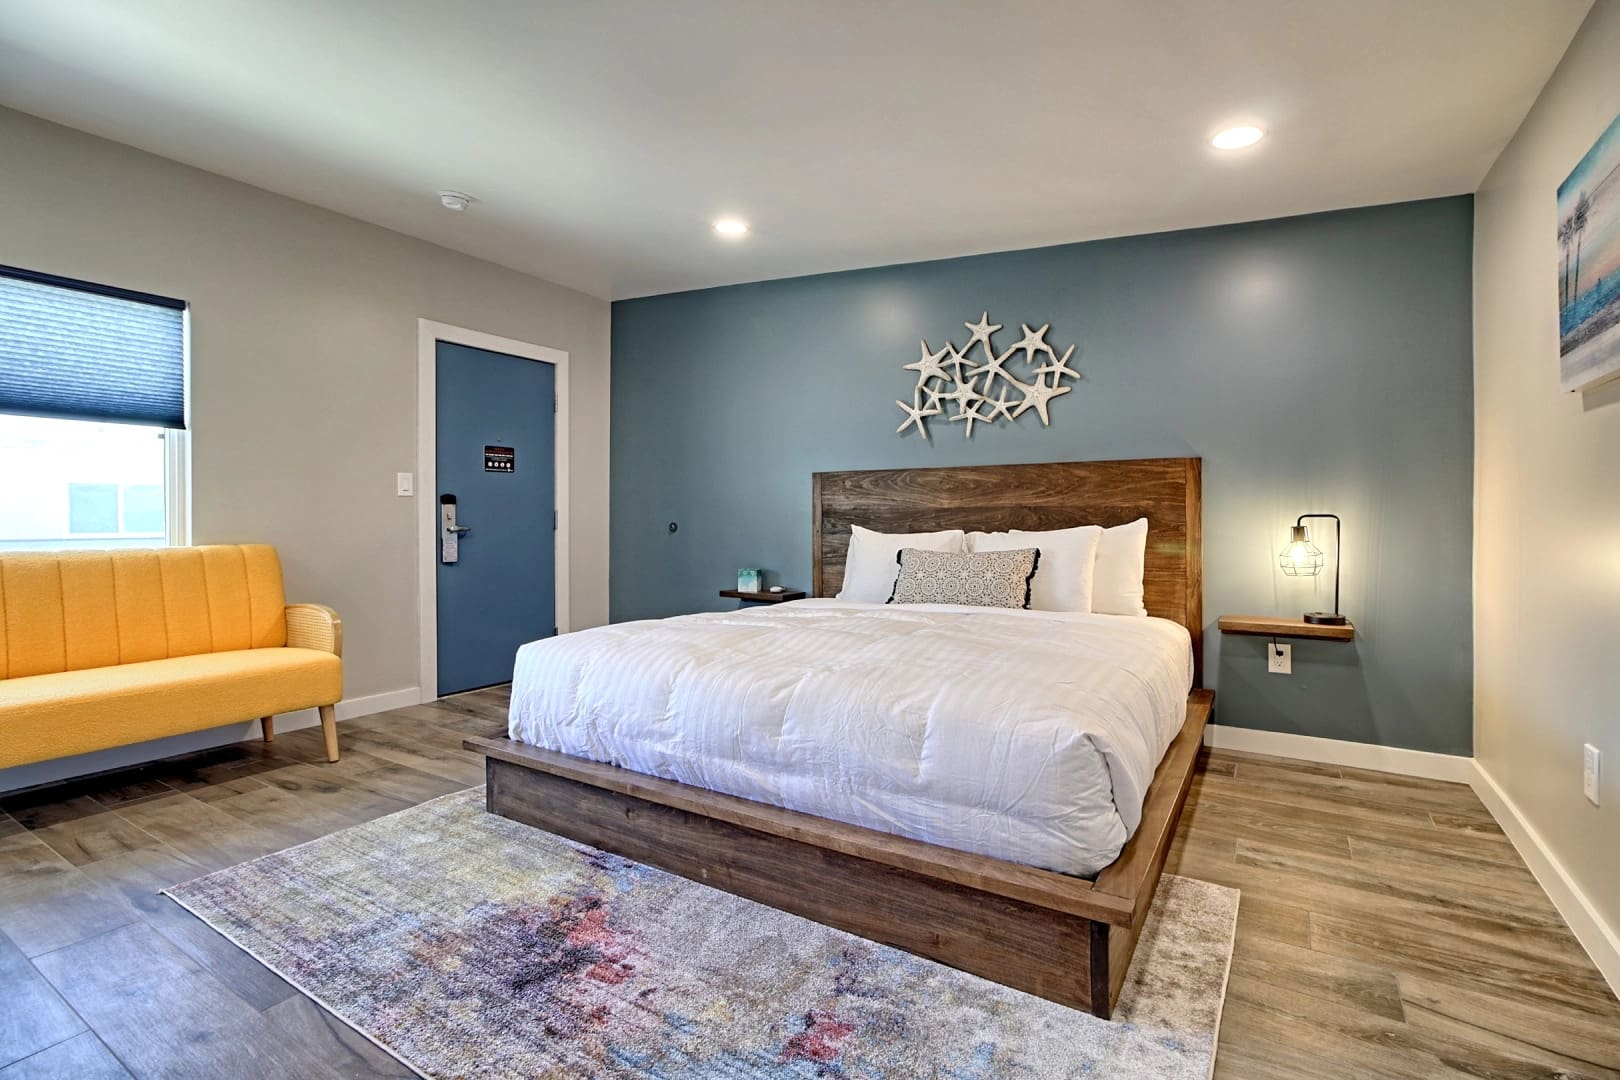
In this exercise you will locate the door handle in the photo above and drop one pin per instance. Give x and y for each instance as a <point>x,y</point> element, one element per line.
<point>449,531</point>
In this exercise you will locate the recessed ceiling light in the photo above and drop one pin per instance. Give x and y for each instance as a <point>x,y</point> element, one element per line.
<point>1237,138</point>
<point>730,226</point>
<point>456,200</point>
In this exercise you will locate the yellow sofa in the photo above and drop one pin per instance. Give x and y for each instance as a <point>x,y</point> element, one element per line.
<point>108,648</point>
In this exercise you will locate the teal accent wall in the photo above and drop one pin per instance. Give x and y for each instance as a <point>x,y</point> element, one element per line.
<point>1319,363</point>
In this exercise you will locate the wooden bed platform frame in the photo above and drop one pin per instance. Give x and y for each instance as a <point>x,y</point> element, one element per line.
<point>1060,937</point>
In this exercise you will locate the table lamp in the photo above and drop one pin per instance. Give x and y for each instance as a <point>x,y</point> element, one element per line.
<point>1301,558</point>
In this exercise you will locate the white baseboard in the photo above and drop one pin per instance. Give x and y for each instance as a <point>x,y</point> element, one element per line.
<point>122,757</point>
<point>1390,759</point>
<point>1596,936</point>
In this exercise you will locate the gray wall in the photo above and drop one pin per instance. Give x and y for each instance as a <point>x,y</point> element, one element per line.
<point>1548,543</point>
<point>1314,363</point>
<point>303,374</point>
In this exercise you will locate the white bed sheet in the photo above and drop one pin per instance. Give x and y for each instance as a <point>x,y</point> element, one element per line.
<point>1024,735</point>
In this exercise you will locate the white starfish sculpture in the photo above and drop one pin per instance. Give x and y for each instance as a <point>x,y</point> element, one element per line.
<point>1059,368</point>
<point>1036,397</point>
<point>967,400</point>
<point>981,333</point>
<point>949,375</point>
<point>917,413</point>
<point>992,366</point>
<point>929,366</point>
<point>972,416</point>
<point>957,360</point>
<point>1000,407</point>
<point>1034,342</point>
<point>966,396</point>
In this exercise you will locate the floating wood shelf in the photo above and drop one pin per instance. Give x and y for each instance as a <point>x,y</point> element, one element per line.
<point>1274,626</point>
<point>764,597</point>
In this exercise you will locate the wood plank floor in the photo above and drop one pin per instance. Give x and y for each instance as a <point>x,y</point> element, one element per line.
<point>1387,929</point>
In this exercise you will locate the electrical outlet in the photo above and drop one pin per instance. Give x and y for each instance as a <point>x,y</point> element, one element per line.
<point>404,484</point>
<point>1280,659</point>
<point>1594,763</point>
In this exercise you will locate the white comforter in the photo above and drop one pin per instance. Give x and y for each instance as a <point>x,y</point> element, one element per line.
<point>1024,735</point>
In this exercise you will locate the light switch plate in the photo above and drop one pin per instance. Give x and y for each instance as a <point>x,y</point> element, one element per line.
<point>404,484</point>
<point>1279,659</point>
<point>1593,759</point>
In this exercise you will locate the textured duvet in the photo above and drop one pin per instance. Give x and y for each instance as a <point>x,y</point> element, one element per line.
<point>1025,735</point>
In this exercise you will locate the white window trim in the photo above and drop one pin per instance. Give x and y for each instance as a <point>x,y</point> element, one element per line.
<point>176,487</point>
<point>177,453</point>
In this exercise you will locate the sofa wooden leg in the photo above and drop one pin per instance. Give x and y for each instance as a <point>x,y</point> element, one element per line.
<point>329,729</point>
<point>267,724</point>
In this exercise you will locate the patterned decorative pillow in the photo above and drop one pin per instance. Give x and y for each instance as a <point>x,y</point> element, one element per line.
<point>982,579</point>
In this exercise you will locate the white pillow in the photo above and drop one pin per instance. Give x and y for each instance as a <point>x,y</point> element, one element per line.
<point>873,560</point>
<point>1063,577</point>
<point>1116,587</point>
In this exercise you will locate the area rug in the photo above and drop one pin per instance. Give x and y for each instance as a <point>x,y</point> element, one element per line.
<point>468,945</point>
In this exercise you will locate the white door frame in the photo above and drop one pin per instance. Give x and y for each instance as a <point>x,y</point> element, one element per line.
<point>428,335</point>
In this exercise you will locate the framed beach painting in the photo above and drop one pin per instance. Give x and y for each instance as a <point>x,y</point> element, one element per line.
<point>1589,266</point>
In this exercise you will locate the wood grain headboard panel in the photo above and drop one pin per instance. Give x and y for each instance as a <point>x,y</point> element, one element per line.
<point>1052,495</point>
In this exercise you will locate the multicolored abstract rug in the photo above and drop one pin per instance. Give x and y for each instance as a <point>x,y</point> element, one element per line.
<point>472,946</point>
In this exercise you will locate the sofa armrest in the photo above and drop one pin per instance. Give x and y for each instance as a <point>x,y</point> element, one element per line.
<point>314,626</point>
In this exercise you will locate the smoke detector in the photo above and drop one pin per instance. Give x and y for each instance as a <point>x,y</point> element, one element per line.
<point>456,200</point>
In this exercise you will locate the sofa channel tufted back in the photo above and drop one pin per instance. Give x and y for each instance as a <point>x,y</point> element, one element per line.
<point>68,611</point>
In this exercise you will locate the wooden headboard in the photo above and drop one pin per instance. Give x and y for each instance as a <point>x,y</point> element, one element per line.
<point>1055,495</point>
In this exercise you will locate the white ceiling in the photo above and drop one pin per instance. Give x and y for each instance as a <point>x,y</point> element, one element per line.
<point>602,137</point>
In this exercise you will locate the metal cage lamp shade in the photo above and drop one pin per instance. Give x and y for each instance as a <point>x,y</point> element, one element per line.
<point>1301,558</point>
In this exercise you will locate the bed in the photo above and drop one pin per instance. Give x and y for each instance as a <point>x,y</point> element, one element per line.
<point>820,757</point>
<point>1029,736</point>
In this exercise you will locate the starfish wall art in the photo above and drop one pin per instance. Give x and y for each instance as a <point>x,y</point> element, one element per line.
<point>970,383</point>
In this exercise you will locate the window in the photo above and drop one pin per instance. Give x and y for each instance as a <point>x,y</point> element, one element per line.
<point>142,508</point>
<point>92,508</point>
<point>92,415</point>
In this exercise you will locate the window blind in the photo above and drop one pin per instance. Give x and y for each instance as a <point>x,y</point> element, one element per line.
<point>80,351</point>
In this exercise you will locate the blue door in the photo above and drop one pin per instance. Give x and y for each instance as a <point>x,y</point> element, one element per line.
<point>496,427</point>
